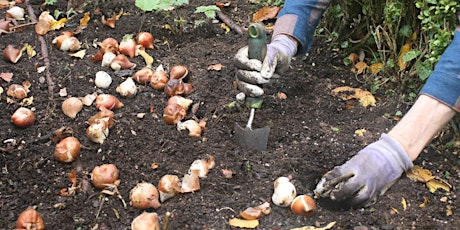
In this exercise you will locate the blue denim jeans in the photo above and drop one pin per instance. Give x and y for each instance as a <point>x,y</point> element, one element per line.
<point>444,83</point>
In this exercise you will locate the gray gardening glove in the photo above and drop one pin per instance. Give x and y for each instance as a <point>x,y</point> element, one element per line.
<point>367,175</point>
<point>252,73</point>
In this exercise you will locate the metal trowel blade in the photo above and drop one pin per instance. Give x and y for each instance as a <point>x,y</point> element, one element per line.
<point>255,139</point>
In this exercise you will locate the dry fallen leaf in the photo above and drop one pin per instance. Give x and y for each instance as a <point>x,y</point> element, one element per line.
<point>266,13</point>
<point>281,96</point>
<point>360,132</point>
<point>27,101</point>
<point>84,21</point>
<point>419,174</point>
<point>347,93</point>
<point>404,49</point>
<point>360,67</point>
<point>216,67</point>
<point>240,223</point>
<point>353,58</point>
<point>223,4</point>
<point>228,173</point>
<point>29,50</point>
<point>80,54</point>
<point>376,67</point>
<point>56,25</point>
<point>225,27</point>
<point>434,185</point>
<point>404,203</point>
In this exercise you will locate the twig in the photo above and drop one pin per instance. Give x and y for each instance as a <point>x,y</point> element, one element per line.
<point>229,22</point>
<point>44,50</point>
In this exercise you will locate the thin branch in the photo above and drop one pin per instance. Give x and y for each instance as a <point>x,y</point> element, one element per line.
<point>229,22</point>
<point>44,50</point>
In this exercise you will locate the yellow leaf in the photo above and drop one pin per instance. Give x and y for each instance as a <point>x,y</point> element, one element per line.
<point>346,93</point>
<point>360,67</point>
<point>225,27</point>
<point>360,132</point>
<point>420,174</point>
<point>376,67</point>
<point>328,226</point>
<point>404,203</point>
<point>80,54</point>
<point>84,21</point>
<point>240,223</point>
<point>434,185</point>
<point>27,101</point>
<point>404,49</point>
<point>30,50</point>
<point>148,59</point>
<point>55,25</point>
<point>395,210</point>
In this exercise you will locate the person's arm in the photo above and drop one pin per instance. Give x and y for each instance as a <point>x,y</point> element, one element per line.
<point>299,19</point>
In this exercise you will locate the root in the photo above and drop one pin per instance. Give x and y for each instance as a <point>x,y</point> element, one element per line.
<point>44,50</point>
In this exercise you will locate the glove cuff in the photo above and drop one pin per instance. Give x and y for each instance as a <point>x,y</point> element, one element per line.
<point>394,150</point>
<point>284,44</point>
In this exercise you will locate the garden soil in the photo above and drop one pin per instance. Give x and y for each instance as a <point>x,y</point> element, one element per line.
<point>311,131</point>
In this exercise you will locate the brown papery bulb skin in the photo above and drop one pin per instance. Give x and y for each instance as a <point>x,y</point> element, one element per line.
<point>104,175</point>
<point>177,87</point>
<point>304,205</point>
<point>143,75</point>
<point>144,195</point>
<point>159,80</point>
<point>11,54</point>
<point>121,62</point>
<point>146,221</point>
<point>174,113</point>
<point>5,25</point>
<point>30,219</point>
<point>178,72</point>
<point>145,39</point>
<point>182,101</point>
<point>67,150</point>
<point>23,117</point>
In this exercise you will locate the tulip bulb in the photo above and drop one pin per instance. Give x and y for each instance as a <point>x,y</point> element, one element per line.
<point>11,54</point>
<point>177,87</point>
<point>15,12</point>
<point>145,221</point>
<point>178,72</point>
<point>109,45</point>
<point>30,219</point>
<point>104,115</point>
<point>97,131</point>
<point>127,88</point>
<point>190,182</point>
<point>144,195</point>
<point>23,117</point>
<point>145,39</point>
<point>128,46</point>
<point>72,106</point>
<point>104,175</point>
<point>121,62</point>
<point>174,113</point>
<point>159,78</point>
<point>67,150</point>
<point>168,187</point>
<point>143,75</point>
<point>108,101</point>
<point>194,129</point>
<point>17,91</point>
<point>284,192</point>
<point>182,101</point>
<point>67,42</point>
<point>107,59</point>
<point>304,205</point>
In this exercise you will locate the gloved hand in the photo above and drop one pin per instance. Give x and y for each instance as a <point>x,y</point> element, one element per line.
<point>367,175</point>
<point>251,73</point>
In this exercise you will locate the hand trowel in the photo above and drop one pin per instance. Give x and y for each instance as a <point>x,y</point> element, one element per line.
<point>248,137</point>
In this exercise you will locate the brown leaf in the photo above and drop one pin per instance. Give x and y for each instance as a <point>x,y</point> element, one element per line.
<point>360,67</point>
<point>353,58</point>
<point>223,4</point>
<point>282,96</point>
<point>266,13</point>
<point>84,21</point>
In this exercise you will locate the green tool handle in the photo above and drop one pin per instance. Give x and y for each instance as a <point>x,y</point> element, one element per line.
<point>257,50</point>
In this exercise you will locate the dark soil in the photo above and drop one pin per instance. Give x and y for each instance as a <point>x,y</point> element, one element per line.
<point>311,132</point>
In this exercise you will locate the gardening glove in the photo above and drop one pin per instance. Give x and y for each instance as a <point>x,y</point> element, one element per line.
<point>251,73</point>
<point>367,175</point>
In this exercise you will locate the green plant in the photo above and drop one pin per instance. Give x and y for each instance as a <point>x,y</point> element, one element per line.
<point>209,11</point>
<point>414,33</point>
<point>50,2</point>
<point>157,5</point>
